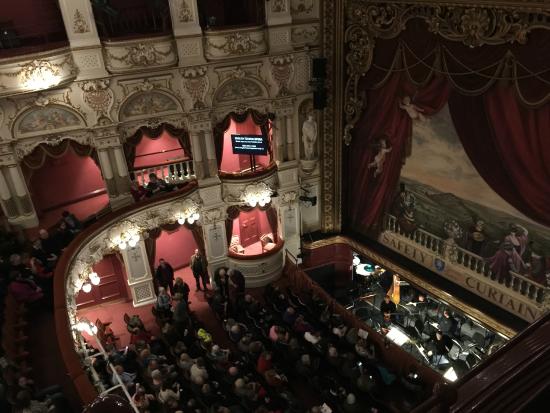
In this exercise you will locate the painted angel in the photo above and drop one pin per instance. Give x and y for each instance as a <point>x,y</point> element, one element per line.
<point>412,110</point>
<point>380,158</point>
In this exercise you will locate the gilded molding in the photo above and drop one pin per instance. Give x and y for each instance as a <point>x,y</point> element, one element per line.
<point>333,22</point>
<point>486,23</point>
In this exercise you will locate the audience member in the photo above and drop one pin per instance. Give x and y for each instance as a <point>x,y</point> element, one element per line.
<point>164,276</point>
<point>198,267</point>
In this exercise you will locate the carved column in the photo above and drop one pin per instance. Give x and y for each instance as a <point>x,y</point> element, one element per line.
<point>279,20</point>
<point>140,277</point>
<point>212,220</point>
<point>187,31</point>
<point>6,199</point>
<point>288,211</point>
<point>289,123</point>
<point>215,239</point>
<point>81,29</point>
<point>210,152</point>
<point>278,136</point>
<point>198,164</point>
<point>113,169</point>
<point>26,215</point>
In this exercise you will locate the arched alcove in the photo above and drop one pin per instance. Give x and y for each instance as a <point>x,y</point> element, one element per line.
<point>251,231</point>
<point>79,186</point>
<point>250,122</point>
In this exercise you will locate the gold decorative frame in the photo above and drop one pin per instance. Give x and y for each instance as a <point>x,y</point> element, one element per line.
<point>488,22</point>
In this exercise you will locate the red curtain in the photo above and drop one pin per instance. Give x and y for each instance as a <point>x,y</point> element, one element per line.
<point>155,133</point>
<point>508,144</point>
<point>369,195</point>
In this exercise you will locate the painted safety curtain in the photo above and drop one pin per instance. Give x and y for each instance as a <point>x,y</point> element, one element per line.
<point>509,146</point>
<point>369,195</point>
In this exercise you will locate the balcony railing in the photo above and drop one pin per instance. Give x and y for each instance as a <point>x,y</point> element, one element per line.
<point>173,173</point>
<point>470,261</point>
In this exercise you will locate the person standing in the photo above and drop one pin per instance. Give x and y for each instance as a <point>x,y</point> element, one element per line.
<point>198,266</point>
<point>164,276</point>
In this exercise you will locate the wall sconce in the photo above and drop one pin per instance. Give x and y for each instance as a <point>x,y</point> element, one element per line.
<point>85,283</point>
<point>126,234</point>
<point>188,211</point>
<point>84,326</point>
<point>40,74</point>
<point>257,194</point>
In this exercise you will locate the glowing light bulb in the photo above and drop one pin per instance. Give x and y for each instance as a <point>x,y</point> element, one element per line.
<point>94,278</point>
<point>122,245</point>
<point>132,243</point>
<point>181,221</point>
<point>262,202</point>
<point>190,220</point>
<point>196,216</point>
<point>87,287</point>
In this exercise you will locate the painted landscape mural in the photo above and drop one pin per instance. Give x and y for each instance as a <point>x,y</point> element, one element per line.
<point>442,193</point>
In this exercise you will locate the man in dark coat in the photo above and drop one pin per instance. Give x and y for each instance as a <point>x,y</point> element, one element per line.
<point>198,266</point>
<point>164,276</point>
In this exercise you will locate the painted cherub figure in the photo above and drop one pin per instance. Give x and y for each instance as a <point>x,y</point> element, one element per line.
<point>412,110</point>
<point>380,158</point>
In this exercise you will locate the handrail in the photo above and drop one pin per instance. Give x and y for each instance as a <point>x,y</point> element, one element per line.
<point>72,361</point>
<point>273,251</point>
<point>392,354</point>
<point>503,352</point>
<point>524,286</point>
<point>226,176</point>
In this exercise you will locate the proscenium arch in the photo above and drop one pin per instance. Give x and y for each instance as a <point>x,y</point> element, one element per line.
<point>43,120</point>
<point>144,104</point>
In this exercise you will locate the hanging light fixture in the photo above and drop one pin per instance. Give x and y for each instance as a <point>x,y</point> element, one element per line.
<point>84,326</point>
<point>94,278</point>
<point>86,287</point>
<point>125,235</point>
<point>257,194</point>
<point>188,210</point>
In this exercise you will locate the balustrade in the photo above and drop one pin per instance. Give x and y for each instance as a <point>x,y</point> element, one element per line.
<point>172,173</point>
<point>470,261</point>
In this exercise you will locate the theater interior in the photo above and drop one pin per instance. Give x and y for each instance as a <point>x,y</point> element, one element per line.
<point>274,206</point>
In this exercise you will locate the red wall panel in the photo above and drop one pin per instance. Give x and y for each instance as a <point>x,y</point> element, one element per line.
<point>175,247</point>
<point>64,180</point>
<point>158,151</point>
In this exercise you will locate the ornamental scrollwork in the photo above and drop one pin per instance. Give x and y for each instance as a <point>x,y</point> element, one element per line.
<point>472,26</point>
<point>196,83</point>
<point>142,54</point>
<point>237,44</point>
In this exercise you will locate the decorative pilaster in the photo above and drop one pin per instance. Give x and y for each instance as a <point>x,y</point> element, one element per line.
<point>16,199</point>
<point>279,21</point>
<point>114,169</point>
<point>140,277</point>
<point>288,211</point>
<point>198,164</point>
<point>278,136</point>
<point>187,31</point>
<point>6,199</point>
<point>289,124</point>
<point>210,152</point>
<point>81,29</point>
<point>213,227</point>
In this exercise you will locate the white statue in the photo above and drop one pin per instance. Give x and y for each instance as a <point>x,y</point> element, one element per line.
<point>412,110</point>
<point>309,136</point>
<point>379,159</point>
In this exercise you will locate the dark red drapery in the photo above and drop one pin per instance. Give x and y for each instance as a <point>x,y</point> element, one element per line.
<point>154,133</point>
<point>369,196</point>
<point>234,211</point>
<point>508,145</point>
<point>500,106</point>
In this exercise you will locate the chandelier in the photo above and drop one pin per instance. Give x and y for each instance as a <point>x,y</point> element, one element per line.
<point>257,194</point>
<point>85,326</point>
<point>124,235</point>
<point>40,74</point>
<point>188,210</point>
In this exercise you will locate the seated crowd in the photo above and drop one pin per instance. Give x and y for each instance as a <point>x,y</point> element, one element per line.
<point>26,286</point>
<point>154,186</point>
